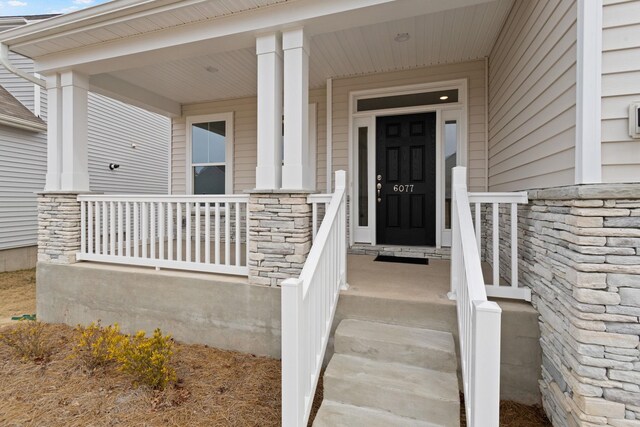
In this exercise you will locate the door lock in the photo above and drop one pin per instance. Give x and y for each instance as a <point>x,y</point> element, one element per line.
<point>379,177</point>
<point>378,186</point>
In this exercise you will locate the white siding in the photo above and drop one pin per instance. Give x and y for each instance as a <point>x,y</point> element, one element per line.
<point>113,126</point>
<point>620,87</point>
<point>245,110</point>
<point>245,140</point>
<point>532,97</point>
<point>20,88</point>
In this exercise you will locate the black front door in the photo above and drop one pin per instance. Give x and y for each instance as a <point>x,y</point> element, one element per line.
<point>406,180</point>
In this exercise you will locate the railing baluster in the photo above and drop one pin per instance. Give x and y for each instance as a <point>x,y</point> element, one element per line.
<point>120,230</point>
<point>238,232</point>
<point>145,228</point>
<point>179,230</point>
<point>514,245</point>
<point>152,229</point>
<point>90,227</point>
<point>314,228</point>
<point>105,229</point>
<point>227,233</point>
<point>136,229</point>
<point>170,235</point>
<point>112,226</point>
<point>83,227</point>
<point>216,231</point>
<point>496,244</point>
<point>207,233</point>
<point>97,228</point>
<point>161,228</point>
<point>127,235</point>
<point>197,227</point>
<point>188,232</point>
<point>478,226</point>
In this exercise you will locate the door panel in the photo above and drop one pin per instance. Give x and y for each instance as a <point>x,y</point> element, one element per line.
<point>406,167</point>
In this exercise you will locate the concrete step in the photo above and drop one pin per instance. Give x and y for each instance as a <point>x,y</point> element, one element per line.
<point>400,344</point>
<point>406,391</point>
<point>334,414</point>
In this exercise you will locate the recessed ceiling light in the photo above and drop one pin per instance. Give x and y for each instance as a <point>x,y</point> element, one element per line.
<point>402,37</point>
<point>444,97</point>
<point>211,69</point>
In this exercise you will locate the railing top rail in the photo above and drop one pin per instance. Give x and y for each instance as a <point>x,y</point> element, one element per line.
<point>162,198</point>
<point>515,197</point>
<point>319,198</point>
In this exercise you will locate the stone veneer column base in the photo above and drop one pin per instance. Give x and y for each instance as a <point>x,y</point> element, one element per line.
<point>279,236</point>
<point>580,254</point>
<point>58,227</point>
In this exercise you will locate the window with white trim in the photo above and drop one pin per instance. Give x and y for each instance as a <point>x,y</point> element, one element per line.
<point>211,154</point>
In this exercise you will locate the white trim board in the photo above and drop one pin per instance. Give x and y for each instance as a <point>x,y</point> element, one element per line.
<point>448,111</point>
<point>588,168</point>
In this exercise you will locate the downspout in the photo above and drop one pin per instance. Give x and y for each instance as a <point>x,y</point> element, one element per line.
<point>6,63</point>
<point>329,134</point>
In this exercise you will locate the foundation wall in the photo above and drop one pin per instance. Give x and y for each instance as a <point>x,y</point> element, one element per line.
<point>18,258</point>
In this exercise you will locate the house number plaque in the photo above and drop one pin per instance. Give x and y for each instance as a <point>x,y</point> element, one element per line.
<point>403,188</point>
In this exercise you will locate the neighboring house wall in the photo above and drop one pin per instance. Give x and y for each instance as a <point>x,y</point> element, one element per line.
<point>532,97</point>
<point>245,110</point>
<point>113,127</point>
<point>620,87</point>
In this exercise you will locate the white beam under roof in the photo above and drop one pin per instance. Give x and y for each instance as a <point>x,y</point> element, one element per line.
<point>235,31</point>
<point>112,87</point>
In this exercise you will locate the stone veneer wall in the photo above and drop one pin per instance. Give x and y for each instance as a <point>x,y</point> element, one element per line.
<point>58,227</point>
<point>580,254</point>
<point>279,236</point>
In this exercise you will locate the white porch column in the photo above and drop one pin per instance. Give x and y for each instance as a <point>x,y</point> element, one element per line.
<point>54,133</point>
<point>75,170</point>
<point>269,168</point>
<point>296,170</point>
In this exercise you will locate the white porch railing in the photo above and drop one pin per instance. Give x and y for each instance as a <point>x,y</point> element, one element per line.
<point>319,204</point>
<point>197,233</point>
<point>308,306</point>
<point>478,318</point>
<point>495,200</point>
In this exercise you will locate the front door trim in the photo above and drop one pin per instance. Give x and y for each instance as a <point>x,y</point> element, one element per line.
<point>357,119</point>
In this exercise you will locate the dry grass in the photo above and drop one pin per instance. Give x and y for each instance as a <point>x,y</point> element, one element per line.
<point>216,388</point>
<point>17,294</point>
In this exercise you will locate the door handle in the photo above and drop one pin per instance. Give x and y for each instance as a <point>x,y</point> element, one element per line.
<point>378,186</point>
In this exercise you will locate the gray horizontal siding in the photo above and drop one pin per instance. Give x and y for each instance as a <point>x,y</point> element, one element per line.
<point>113,127</point>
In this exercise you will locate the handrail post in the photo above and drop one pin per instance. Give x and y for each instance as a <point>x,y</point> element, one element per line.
<point>291,317</point>
<point>458,179</point>
<point>341,184</point>
<point>486,361</point>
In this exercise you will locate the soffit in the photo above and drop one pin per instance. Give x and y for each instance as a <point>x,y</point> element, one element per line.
<point>450,36</point>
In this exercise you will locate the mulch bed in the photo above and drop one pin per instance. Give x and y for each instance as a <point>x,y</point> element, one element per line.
<point>513,414</point>
<point>215,388</point>
<point>17,294</point>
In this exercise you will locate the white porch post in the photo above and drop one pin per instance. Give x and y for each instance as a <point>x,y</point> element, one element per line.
<point>54,133</point>
<point>295,172</point>
<point>75,170</point>
<point>269,168</point>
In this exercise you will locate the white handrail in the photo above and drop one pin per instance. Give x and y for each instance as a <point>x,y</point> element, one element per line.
<point>186,232</point>
<point>316,200</point>
<point>478,318</point>
<point>308,307</point>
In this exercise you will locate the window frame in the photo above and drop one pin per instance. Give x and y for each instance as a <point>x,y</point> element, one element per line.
<point>228,152</point>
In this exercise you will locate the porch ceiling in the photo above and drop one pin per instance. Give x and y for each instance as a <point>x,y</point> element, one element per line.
<point>448,36</point>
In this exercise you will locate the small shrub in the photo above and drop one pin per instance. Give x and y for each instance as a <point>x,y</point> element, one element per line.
<point>148,359</point>
<point>29,340</point>
<point>98,346</point>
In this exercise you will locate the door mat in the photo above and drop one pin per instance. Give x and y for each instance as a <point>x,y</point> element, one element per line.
<point>402,259</point>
